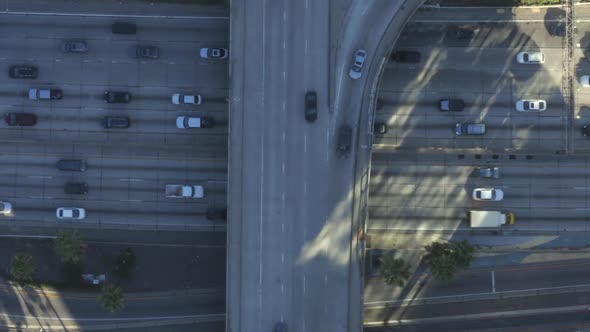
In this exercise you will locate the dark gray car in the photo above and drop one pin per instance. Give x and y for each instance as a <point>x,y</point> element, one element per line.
<point>76,188</point>
<point>116,122</point>
<point>470,129</point>
<point>344,141</point>
<point>75,46</point>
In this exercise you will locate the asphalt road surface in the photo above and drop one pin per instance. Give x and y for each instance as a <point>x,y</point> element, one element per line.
<point>127,168</point>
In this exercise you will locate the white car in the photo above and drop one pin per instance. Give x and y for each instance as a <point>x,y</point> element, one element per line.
<point>488,194</point>
<point>357,64</point>
<point>6,208</point>
<point>531,105</point>
<point>178,99</point>
<point>213,53</point>
<point>185,122</point>
<point>530,57</point>
<point>585,81</point>
<point>70,213</point>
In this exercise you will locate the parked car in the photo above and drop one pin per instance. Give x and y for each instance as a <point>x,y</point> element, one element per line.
<point>124,28</point>
<point>585,81</point>
<point>76,188</point>
<point>213,53</point>
<point>117,97</point>
<point>470,129</point>
<point>45,94</point>
<point>344,141</point>
<point>20,119</point>
<point>489,172</point>
<point>452,105</point>
<point>181,99</point>
<point>456,32</point>
<point>530,57</point>
<point>311,106</point>
<point>357,64</point>
<point>488,194</point>
<point>531,105</point>
<point>75,46</point>
<point>75,165</point>
<point>70,213</point>
<point>380,128</point>
<point>144,52</point>
<point>406,56</point>
<point>23,71</point>
<point>115,122</point>
<point>185,122</point>
<point>216,214</point>
<point>586,130</point>
<point>6,207</point>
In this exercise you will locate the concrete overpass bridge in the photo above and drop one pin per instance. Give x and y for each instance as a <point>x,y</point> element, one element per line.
<point>296,211</point>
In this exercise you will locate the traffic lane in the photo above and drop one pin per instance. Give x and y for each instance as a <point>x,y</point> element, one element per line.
<point>489,281</point>
<point>51,310</point>
<point>487,33</point>
<point>541,322</point>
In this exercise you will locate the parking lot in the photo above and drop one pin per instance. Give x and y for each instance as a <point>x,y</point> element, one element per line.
<point>127,168</point>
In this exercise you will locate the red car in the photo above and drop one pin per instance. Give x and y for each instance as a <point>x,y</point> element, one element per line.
<point>20,119</point>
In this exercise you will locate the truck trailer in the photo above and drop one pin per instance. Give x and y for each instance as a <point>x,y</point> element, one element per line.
<point>490,219</point>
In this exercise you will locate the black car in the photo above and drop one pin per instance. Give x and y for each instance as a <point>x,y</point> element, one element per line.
<point>380,128</point>
<point>311,106</point>
<point>456,32</point>
<point>406,56</point>
<point>344,141</point>
<point>117,97</point>
<point>20,119</point>
<point>124,28</point>
<point>23,71</point>
<point>76,188</point>
<point>115,122</point>
<point>216,214</point>
<point>144,52</point>
<point>452,105</point>
<point>586,130</point>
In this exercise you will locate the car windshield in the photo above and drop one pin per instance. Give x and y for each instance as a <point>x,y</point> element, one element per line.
<point>541,105</point>
<point>526,105</point>
<point>525,57</point>
<point>75,213</point>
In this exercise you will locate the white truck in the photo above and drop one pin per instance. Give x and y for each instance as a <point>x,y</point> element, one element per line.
<point>490,219</point>
<point>180,191</point>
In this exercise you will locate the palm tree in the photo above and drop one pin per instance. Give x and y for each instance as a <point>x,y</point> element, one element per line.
<point>443,268</point>
<point>435,250</point>
<point>395,271</point>
<point>112,298</point>
<point>70,247</point>
<point>22,268</point>
<point>463,253</point>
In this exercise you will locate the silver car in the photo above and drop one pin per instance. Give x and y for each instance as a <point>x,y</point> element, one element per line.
<point>488,194</point>
<point>357,64</point>
<point>531,105</point>
<point>530,57</point>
